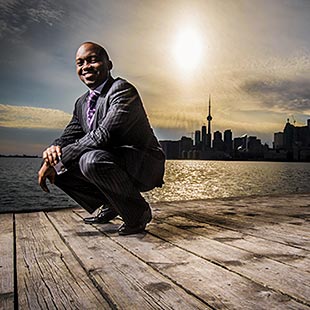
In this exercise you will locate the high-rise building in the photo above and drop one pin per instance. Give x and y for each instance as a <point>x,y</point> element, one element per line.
<point>197,138</point>
<point>204,137</point>
<point>288,139</point>
<point>209,119</point>
<point>278,140</point>
<point>254,145</point>
<point>186,146</point>
<point>240,143</point>
<point>228,141</point>
<point>171,148</point>
<point>218,143</point>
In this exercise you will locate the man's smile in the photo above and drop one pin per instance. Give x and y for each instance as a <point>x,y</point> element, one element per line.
<point>89,74</point>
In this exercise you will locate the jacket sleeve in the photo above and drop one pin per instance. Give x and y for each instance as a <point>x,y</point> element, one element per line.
<point>123,113</point>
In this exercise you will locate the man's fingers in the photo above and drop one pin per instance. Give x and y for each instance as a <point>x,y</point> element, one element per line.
<point>45,156</point>
<point>52,155</point>
<point>58,150</point>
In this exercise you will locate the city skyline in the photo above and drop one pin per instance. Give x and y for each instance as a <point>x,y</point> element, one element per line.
<point>252,56</point>
<point>205,134</point>
<point>291,144</point>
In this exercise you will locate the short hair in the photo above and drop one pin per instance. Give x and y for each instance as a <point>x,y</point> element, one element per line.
<point>102,51</point>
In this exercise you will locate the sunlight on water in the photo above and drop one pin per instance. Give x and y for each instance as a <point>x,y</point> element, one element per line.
<point>187,180</point>
<point>184,180</point>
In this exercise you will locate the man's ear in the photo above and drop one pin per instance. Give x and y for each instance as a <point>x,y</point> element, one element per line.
<point>110,65</point>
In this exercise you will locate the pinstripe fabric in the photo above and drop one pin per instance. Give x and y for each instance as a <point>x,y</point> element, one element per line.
<point>80,189</point>
<point>119,155</point>
<point>102,169</point>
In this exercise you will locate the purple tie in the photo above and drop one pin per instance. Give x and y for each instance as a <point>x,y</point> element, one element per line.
<point>91,106</point>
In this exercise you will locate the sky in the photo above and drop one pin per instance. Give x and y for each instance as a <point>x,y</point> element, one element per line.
<point>251,56</point>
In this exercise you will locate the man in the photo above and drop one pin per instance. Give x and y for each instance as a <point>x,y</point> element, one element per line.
<point>108,152</point>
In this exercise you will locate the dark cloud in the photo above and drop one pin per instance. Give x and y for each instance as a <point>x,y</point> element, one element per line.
<point>16,17</point>
<point>283,95</point>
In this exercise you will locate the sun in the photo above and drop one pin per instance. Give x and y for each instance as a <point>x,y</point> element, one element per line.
<point>188,48</point>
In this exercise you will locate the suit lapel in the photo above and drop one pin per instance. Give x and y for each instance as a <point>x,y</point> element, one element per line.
<point>83,117</point>
<point>101,106</point>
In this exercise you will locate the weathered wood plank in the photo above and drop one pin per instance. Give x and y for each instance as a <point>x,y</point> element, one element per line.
<point>260,269</point>
<point>6,262</point>
<point>286,254</point>
<point>198,211</point>
<point>217,286</point>
<point>293,210</point>
<point>49,277</point>
<point>129,282</point>
<point>277,203</point>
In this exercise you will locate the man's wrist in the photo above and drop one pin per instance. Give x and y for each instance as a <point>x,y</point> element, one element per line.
<point>60,168</point>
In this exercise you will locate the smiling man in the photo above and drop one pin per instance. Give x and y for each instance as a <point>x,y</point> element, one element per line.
<point>108,153</point>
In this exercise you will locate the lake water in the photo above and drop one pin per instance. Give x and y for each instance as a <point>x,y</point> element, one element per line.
<point>184,180</point>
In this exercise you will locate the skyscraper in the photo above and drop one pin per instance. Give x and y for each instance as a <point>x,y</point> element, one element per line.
<point>228,141</point>
<point>204,137</point>
<point>209,119</point>
<point>218,144</point>
<point>197,138</point>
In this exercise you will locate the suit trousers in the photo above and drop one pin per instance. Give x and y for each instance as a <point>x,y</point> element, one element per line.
<point>100,177</point>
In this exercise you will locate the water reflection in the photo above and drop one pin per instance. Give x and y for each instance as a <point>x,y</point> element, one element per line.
<point>184,180</point>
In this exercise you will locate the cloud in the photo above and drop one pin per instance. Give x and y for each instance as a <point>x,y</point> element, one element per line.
<point>30,117</point>
<point>281,95</point>
<point>16,17</point>
<point>44,13</point>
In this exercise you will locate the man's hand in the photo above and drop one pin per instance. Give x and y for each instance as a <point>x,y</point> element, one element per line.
<point>52,155</point>
<point>46,172</point>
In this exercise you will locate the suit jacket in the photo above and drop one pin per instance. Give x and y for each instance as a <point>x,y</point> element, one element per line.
<point>120,125</point>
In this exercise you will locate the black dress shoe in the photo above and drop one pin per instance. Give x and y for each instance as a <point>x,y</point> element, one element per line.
<point>103,216</point>
<point>125,229</point>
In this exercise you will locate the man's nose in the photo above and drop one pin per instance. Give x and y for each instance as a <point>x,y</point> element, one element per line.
<point>86,65</point>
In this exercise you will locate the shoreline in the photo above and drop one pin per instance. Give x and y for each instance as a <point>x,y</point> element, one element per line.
<point>177,159</point>
<point>154,204</point>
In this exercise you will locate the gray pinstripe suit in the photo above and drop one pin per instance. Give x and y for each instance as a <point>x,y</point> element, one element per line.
<point>115,159</point>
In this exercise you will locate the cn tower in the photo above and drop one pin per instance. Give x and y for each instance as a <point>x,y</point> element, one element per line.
<point>209,119</point>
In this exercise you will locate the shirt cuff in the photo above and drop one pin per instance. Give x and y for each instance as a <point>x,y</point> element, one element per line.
<point>60,168</point>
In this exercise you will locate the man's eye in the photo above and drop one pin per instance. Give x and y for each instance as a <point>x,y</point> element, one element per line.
<point>93,59</point>
<point>79,63</point>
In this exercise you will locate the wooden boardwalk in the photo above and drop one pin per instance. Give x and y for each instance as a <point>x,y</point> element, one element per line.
<point>246,253</point>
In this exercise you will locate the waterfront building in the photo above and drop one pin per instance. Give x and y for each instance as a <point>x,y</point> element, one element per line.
<point>278,143</point>
<point>288,136</point>
<point>240,143</point>
<point>204,137</point>
<point>171,148</point>
<point>228,143</point>
<point>186,147</point>
<point>218,143</point>
<point>297,141</point>
<point>254,147</point>
<point>197,139</point>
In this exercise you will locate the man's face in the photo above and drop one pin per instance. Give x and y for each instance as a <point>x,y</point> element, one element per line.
<point>91,67</point>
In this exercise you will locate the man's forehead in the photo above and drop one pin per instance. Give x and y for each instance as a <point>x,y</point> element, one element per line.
<point>87,50</point>
<point>85,55</point>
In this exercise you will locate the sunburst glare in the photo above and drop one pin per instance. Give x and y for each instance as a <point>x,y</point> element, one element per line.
<point>188,48</point>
